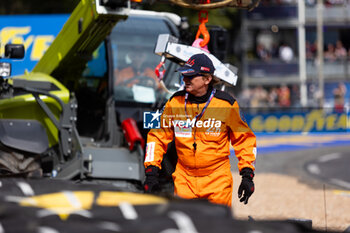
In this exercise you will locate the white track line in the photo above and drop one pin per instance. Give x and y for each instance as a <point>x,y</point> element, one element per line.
<point>341,183</point>
<point>313,168</point>
<point>128,211</point>
<point>1,229</point>
<point>329,157</point>
<point>25,188</point>
<point>72,199</point>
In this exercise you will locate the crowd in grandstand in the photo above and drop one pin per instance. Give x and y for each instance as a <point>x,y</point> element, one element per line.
<point>273,55</point>
<point>332,52</point>
<point>283,52</point>
<point>274,96</point>
<point>288,96</point>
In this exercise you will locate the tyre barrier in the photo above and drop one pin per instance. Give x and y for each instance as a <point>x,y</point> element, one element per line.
<point>43,205</point>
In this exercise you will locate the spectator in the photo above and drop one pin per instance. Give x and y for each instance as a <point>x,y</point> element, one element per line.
<point>339,97</point>
<point>330,53</point>
<point>295,95</point>
<point>274,50</point>
<point>340,51</point>
<point>286,53</point>
<point>310,50</point>
<point>259,97</point>
<point>262,52</point>
<point>245,97</point>
<point>313,95</point>
<point>284,96</point>
<point>273,97</point>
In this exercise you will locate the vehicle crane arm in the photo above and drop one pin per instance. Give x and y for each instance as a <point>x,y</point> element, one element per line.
<point>86,28</point>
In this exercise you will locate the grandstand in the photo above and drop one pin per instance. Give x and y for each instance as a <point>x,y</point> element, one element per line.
<point>270,56</point>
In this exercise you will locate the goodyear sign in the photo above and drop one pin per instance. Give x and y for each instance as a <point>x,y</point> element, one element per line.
<point>316,120</point>
<point>35,32</point>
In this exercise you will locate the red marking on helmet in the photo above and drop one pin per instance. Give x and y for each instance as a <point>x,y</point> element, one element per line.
<point>205,68</point>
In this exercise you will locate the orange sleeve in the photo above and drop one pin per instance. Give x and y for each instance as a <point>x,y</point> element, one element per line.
<point>158,140</point>
<point>123,75</point>
<point>242,139</point>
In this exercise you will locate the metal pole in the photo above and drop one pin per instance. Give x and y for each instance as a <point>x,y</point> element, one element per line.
<point>320,51</point>
<point>244,71</point>
<point>302,53</point>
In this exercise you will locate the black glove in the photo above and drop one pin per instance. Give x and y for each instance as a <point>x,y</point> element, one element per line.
<point>151,184</point>
<point>247,184</point>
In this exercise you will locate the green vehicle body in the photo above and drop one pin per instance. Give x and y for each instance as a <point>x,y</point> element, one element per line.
<point>68,54</point>
<point>24,106</point>
<point>74,153</point>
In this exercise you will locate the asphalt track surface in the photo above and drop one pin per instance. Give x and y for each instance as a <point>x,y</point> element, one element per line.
<point>314,158</point>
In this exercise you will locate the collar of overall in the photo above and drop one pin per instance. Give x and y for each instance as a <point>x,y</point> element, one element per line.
<point>197,117</point>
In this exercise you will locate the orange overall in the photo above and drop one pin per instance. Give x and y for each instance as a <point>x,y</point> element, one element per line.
<point>203,145</point>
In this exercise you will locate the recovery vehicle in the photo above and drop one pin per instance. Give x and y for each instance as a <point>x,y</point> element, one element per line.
<point>69,121</point>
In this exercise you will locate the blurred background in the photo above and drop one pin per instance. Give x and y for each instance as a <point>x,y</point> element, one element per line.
<point>293,60</point>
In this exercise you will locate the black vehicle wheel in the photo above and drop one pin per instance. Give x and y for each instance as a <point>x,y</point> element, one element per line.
<point>17,164</point>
